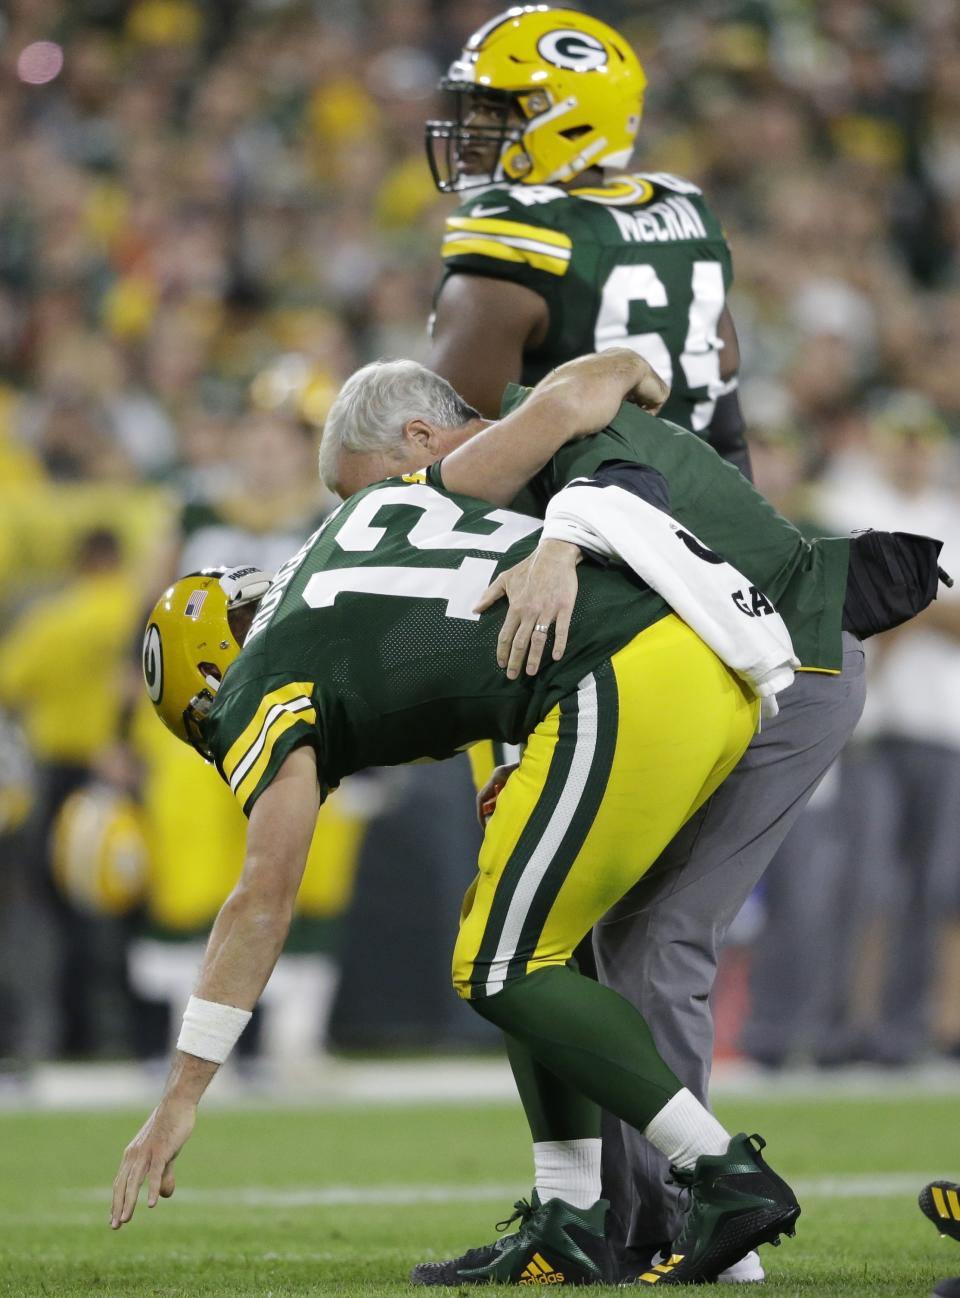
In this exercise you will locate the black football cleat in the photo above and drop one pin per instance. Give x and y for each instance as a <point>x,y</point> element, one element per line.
<point>736,1203</point>
<point>554,1244</point>
<point>940,1201</point>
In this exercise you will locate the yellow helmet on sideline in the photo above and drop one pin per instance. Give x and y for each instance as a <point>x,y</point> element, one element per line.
<point>575,86</point>
<point>100,853</point>
<point>189,644</point>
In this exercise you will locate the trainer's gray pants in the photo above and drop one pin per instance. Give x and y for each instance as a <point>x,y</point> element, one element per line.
<point>658,946</point>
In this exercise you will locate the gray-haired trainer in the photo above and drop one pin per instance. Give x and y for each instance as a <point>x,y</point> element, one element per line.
<point>736,1203</point>
<point>555,1244</point>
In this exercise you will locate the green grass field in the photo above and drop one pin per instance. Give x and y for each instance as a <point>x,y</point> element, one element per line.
<point>283,1202</point>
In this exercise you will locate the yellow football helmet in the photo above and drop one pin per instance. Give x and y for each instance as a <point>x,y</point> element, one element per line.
<point>189,644</point>
<point>541,95</point>
<point>100,852</point>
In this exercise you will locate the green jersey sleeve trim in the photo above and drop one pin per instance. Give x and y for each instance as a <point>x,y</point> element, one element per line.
<point>299,732</point>
<point>507,240</point>
<point>284,718</point>
<point>502,238</point>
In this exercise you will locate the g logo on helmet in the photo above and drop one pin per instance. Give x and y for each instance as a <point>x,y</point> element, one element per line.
<point>153,662</point>
<point>573,50</point>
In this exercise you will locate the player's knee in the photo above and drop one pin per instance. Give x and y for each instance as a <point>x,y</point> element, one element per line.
<point>478,986</point>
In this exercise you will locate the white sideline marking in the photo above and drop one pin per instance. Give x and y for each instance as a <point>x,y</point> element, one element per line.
<point>332,1083</point>
<point>329,1196</point>
<point>863,1185</point>
<point>853,1186</point>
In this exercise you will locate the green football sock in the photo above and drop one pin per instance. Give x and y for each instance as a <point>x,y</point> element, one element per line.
<point>555,1110</point>
<point>591,1038</point>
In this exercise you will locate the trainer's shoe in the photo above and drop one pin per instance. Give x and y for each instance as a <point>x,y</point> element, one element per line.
<point>749,1270</point>
<point>947,1288</point>
<point>555,1244</point>
<point>940,1201</point>
<point>736,1203</point>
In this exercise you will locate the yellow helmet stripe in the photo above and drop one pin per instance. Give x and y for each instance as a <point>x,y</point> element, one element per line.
<point>515,229</point>
<point>245,750</point>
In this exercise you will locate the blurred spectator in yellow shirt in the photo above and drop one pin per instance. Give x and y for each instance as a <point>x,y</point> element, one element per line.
<point>60,661</point>
<point>60,668</point>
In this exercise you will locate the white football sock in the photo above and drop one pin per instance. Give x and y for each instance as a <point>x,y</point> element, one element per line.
<point>684,1129</point>
<point>568,1170</point>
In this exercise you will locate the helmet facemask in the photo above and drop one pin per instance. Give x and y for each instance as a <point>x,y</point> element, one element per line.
<point>559,93</point>
<point>451,142</point>
<point>194,718</point>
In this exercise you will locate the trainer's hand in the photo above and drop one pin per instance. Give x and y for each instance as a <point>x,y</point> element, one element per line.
<point>541,591</point>
<point>650,392</point>
<point>149,1157</point>
<point>487,797</point>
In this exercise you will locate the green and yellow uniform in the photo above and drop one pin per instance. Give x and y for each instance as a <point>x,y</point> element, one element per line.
<point>367,645</point>
<point>367,648</point>
<point>639,262</point>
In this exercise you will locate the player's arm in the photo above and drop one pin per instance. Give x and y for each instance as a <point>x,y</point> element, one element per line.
<point>573,401</point>
<point>246,940</point>
<point>726,431</point>
<point>481,328</point>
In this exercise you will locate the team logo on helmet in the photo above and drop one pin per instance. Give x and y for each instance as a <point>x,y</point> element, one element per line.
<point>573,50</point>
<point>153,662</point>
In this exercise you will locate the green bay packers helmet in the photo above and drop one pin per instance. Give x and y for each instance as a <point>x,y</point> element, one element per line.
<point>100,852</point>
<point>541,95</point>
<point>189,644</point>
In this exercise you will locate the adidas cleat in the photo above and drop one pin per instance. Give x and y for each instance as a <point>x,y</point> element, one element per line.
<point>554,1244</point>
<point>736,1203</point>
<point>940,1201</point>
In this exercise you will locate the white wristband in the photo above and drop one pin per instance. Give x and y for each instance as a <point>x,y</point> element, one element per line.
<point>210,1030</point>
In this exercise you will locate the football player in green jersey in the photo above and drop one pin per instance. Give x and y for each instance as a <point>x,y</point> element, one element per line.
<point>559,248</point>
<point>366,649</point>
<point>676,471</point>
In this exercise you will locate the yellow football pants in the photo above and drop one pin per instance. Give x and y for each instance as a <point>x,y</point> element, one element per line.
<point>605,781</point>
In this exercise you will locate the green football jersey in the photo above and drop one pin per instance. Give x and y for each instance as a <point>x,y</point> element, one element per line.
<point>366,646</point>
<point>639,262</point>
<point>805,580</point>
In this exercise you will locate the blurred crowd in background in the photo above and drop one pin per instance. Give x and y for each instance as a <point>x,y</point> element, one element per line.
<point>210,214</point>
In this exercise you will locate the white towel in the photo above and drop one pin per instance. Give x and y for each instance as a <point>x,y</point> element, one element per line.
<point>715,599</point>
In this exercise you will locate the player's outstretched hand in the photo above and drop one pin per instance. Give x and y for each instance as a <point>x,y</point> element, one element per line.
<point>487,797</point>
<point>541,592</point>
<point>149,1157</point>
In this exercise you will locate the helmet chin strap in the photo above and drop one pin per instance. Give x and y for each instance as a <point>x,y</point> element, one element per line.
<point>244,585</point>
